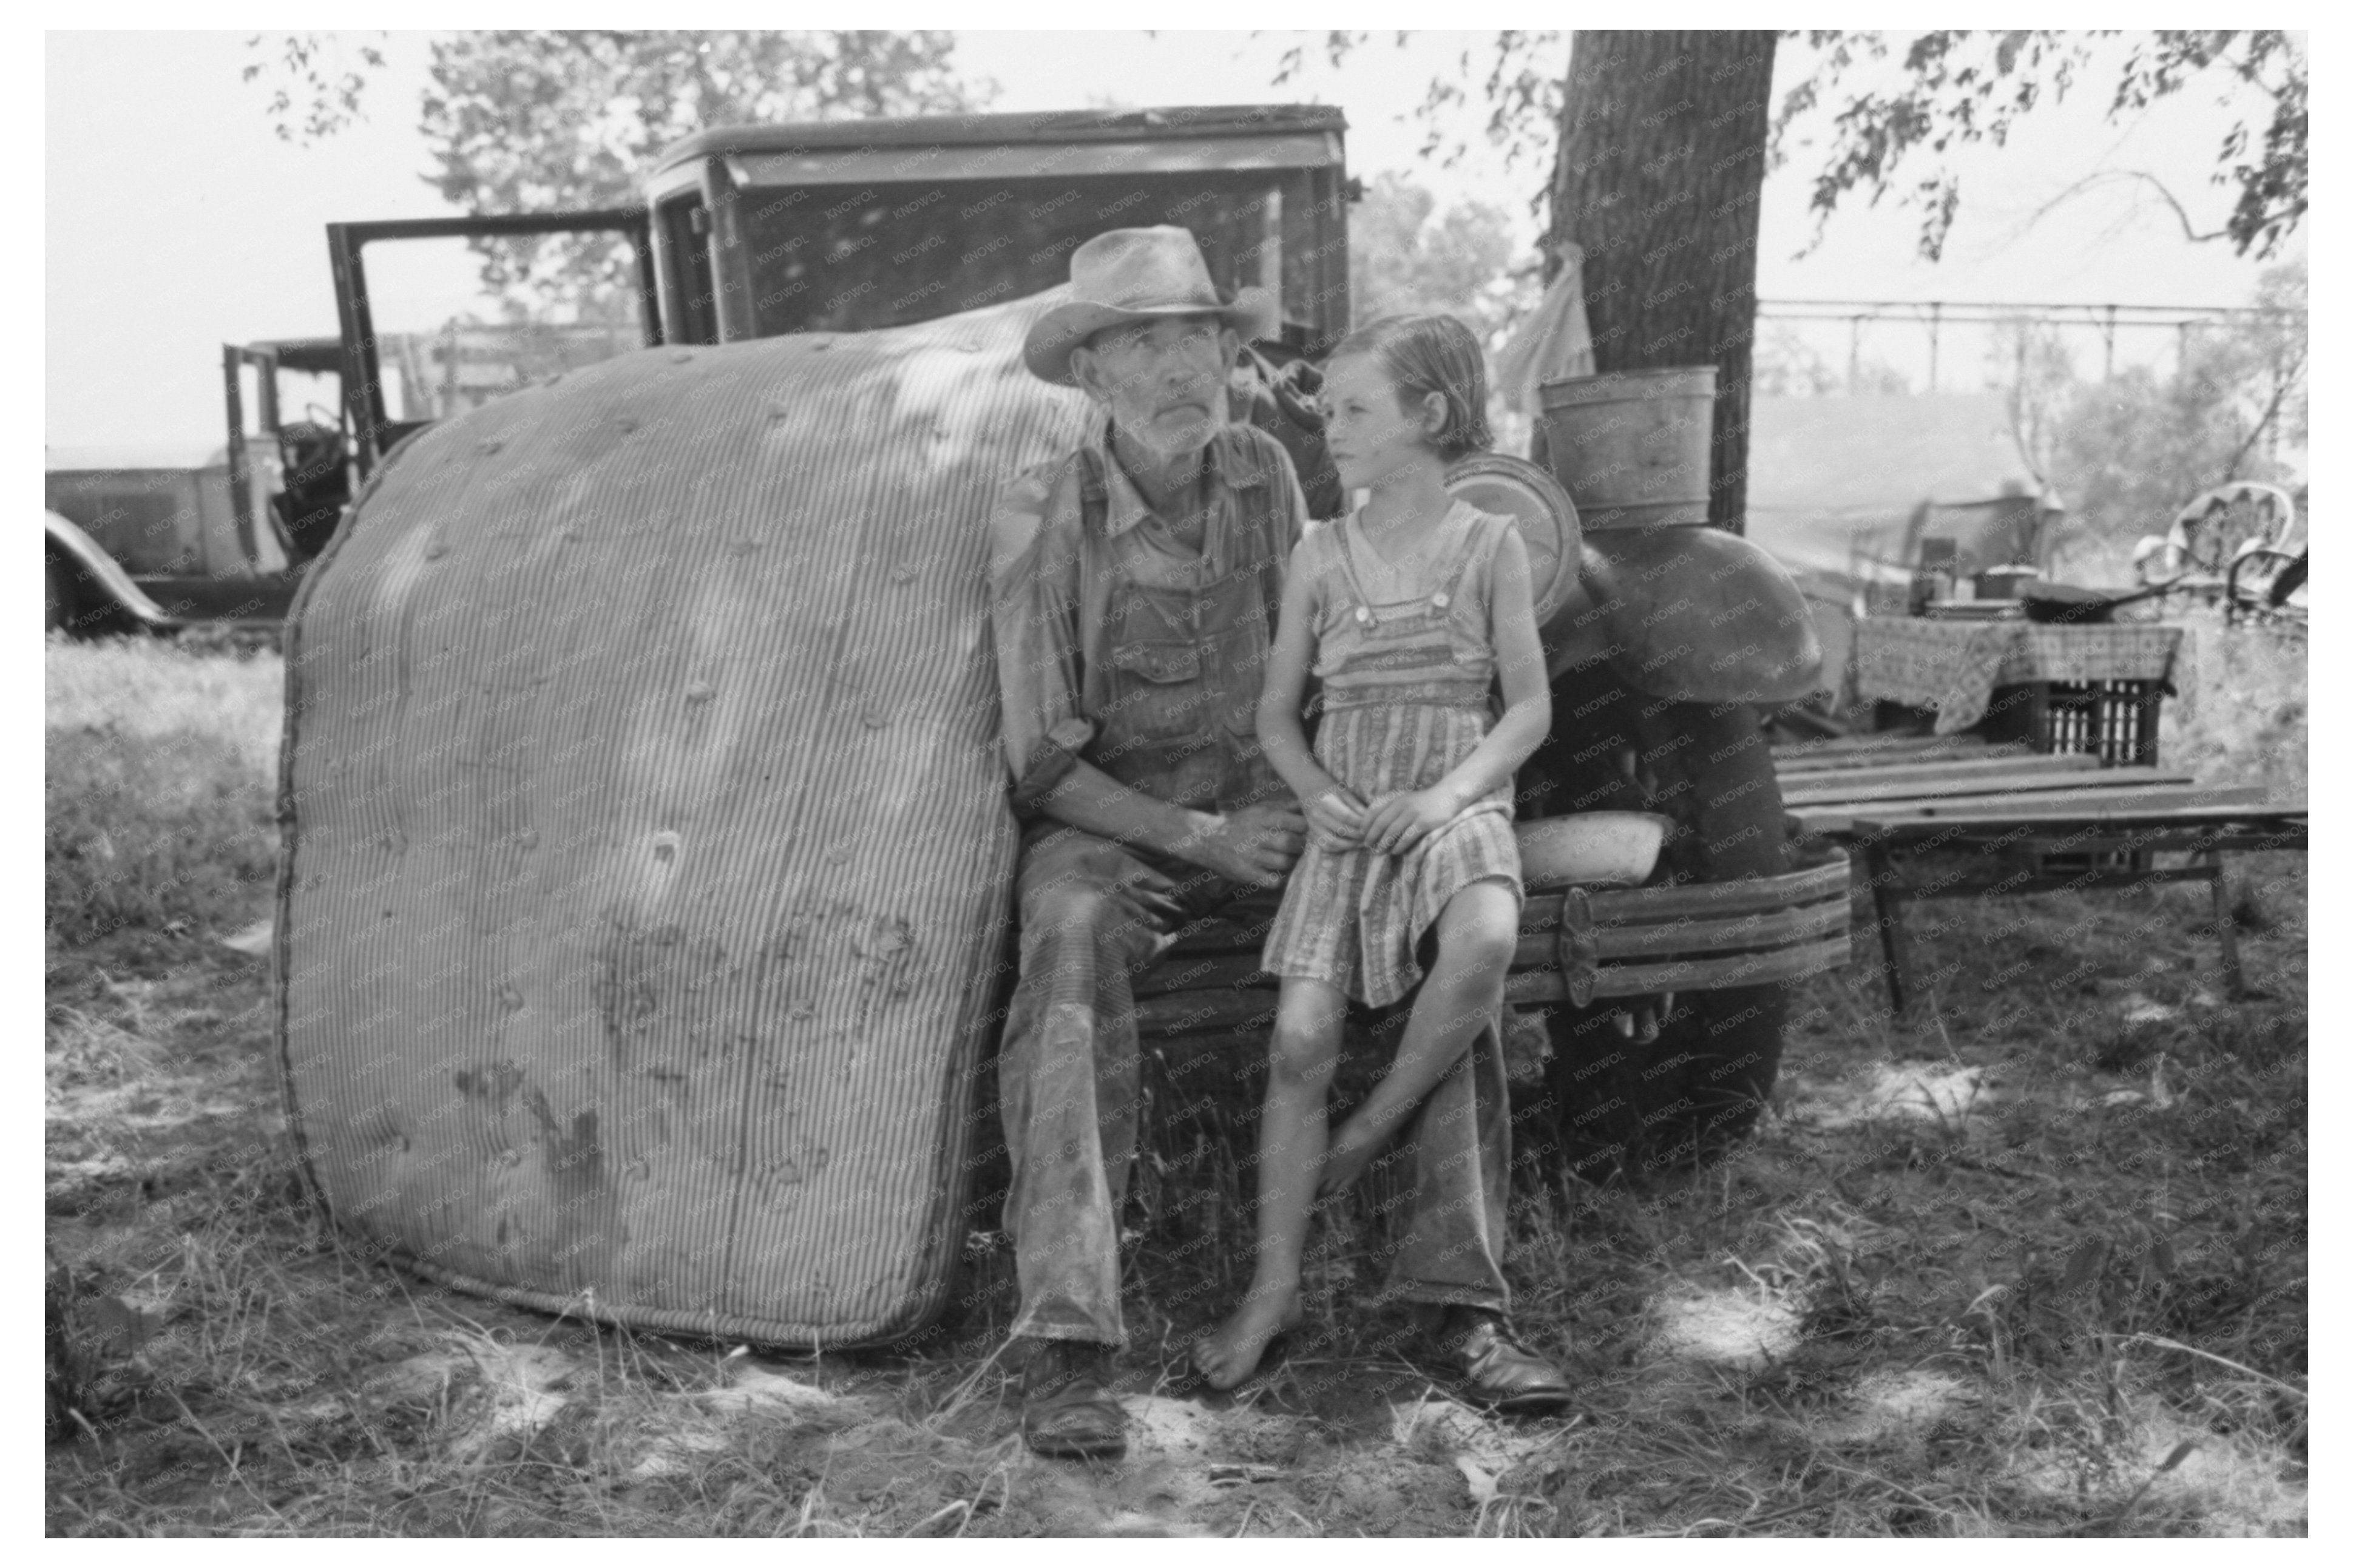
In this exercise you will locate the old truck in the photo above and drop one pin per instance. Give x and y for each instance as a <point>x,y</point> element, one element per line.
<point>644,916</point>
<point>158,539</point>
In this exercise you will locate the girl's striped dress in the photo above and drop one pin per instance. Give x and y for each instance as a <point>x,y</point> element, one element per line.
<point>1407,656</point>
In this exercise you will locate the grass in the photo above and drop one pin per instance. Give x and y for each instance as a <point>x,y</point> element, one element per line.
<point>2034,1264</point>
<point>160,769</point>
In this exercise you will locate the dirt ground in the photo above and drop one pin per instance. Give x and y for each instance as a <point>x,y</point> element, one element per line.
<point>2033,1265</point>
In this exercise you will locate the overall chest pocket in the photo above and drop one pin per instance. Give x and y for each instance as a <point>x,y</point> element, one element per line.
<point>1417,638</point>
<point>1158,690</point>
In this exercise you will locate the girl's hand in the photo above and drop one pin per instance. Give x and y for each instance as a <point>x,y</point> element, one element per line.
<point>1338,814</point>
<point>1396,823</point>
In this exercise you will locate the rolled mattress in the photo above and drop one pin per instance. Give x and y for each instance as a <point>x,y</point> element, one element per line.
<point>647,858</point>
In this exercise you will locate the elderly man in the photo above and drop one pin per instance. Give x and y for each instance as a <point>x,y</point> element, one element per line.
<point>1133,589</point>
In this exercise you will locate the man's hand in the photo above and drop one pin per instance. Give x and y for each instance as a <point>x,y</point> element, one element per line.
<point>1254,845</point>
<point>1395,823</point>
<point>1338,814</point>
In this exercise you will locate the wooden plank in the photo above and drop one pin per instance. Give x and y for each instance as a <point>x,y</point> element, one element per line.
<point>1178,1053</point>
<point>1690,938</point>
<point>1813,769</point>
<point>2050,773</point>
<point>1196,1011</point>
<point>2163,798</point>
<point>1838,820</point>
<point>1207,972</point>
<point>2287,816</point>
<point>1198,963</point>
<point>1693,938</point>
<point>1824,786</point>
<point>2019,783</point>
<point>1686,974</point>
<point>1216,936</point>
<point>2021,839</point>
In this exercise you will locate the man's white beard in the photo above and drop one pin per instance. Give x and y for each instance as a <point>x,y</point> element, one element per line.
<point>1220,415</point>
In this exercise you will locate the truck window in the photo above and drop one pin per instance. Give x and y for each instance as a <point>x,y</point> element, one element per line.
<point>691,312</point>
<point>448,342</point>
<point>845,258</point>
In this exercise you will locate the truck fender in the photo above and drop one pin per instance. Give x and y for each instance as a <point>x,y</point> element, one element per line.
<point>1696,614</point>
<point>100,581</point>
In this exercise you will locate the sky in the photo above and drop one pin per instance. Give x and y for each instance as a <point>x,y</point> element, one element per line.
<point>227,243</point>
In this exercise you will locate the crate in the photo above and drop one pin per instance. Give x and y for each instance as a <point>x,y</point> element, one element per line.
<point>2115,721</point>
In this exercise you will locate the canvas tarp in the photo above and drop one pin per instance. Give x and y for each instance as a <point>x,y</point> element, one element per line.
<point>648,860</point>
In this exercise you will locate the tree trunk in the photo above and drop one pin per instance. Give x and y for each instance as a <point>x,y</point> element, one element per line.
<point>1661,159</point>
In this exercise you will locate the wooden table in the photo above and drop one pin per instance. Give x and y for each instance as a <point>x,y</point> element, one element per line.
<point>1827,786</point>
<point>2027,822</point>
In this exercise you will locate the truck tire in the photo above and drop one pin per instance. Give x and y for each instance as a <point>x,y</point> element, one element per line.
<point>1627,1107</point>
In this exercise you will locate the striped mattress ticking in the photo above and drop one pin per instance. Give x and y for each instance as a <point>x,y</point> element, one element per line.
<point>646,861</point>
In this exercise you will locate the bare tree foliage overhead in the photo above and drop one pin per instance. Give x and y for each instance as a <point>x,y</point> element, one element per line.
<point>318,90</point>
<point>1405,257</point>
<point>548,121</point>
<point>1962,86</point>
<point>540,121</point>
<point>1959,87</point>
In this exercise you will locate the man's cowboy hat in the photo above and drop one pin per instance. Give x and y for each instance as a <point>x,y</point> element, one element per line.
<point>1136,275</point>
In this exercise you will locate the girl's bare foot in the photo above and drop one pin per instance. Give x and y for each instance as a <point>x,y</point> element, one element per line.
<point>1231,1351</point>
<point>1345,1160</point>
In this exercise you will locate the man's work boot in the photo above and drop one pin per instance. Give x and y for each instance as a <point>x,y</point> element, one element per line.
<point>1495,1369</point>
<point>1067,1410</point>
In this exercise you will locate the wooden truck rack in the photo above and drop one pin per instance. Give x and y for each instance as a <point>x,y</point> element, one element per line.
<point>1208,994</point>
<point>2028,821</point>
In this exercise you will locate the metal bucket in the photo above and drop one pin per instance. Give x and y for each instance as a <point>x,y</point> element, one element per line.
<point>1631,446</point>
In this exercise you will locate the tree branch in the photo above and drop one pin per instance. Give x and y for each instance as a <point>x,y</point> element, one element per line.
<point>2279,395</point>
<point>2109,176</point>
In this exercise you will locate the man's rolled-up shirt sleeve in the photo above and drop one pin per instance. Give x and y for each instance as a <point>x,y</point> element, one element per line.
<point>1033,607</point>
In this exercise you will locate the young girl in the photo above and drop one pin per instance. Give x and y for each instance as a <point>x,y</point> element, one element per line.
<point>1410,607</point>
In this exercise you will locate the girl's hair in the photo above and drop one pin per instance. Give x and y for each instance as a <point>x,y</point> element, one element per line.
<point>1422,354</point>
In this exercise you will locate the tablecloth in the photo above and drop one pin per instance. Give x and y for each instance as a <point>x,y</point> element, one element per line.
<point>1954,666</point>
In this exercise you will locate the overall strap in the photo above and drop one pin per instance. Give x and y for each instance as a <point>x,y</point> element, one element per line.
<point>1363,613</point>
<point>1456,563</point>
<point>1094,503</point>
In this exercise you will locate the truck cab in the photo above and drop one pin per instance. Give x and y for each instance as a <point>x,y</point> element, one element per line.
<point>849,225</point>
<point>747,232</point>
